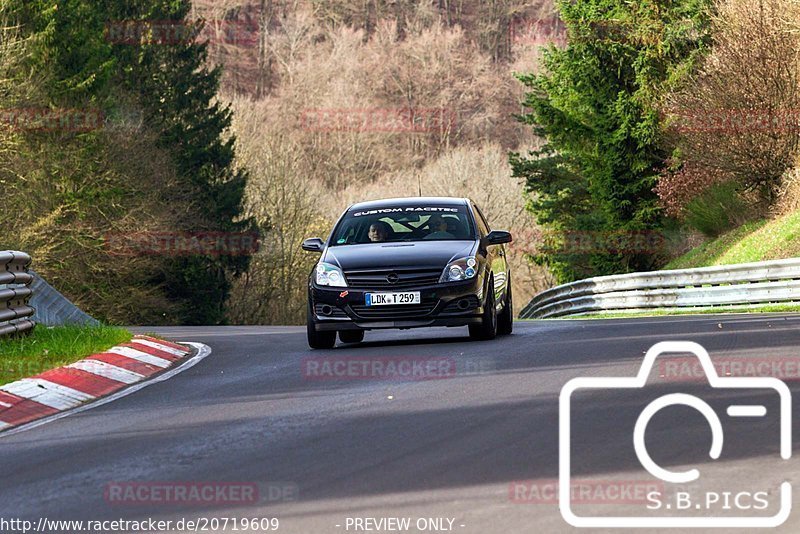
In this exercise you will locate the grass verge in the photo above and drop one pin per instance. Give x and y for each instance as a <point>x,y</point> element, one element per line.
<point>46,348</point>
<point>756,241</point>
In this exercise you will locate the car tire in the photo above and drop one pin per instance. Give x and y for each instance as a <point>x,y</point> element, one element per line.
<point>505,321</point>
<point>488,328</point>
<point>318,340</point>
<point>351,336</point>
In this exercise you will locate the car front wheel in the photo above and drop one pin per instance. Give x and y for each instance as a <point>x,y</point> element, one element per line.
<point>488,327</point>
<point>318,340</point>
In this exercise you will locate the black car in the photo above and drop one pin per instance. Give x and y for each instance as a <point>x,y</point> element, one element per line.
<point>407,263</point>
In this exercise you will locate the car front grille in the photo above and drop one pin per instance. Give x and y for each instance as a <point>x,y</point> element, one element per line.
<point>379,279</point>
<point>401,311</point>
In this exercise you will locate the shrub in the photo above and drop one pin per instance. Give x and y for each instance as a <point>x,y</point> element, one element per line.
<point>677,188</point>
<point>716,210</point>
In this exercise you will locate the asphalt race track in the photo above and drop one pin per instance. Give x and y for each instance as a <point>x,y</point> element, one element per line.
<point>478,447</point>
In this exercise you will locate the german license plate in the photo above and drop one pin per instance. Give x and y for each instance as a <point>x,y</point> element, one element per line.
<point>389,299</point>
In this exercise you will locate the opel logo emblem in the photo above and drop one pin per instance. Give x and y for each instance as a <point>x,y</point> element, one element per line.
<point>392,278</point>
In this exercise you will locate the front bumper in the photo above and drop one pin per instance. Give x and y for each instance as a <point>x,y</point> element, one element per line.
<point>450,304</point>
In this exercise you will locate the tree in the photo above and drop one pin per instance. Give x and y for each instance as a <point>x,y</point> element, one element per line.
<point>595,104</point>
<point>177,92</point>
<point>165,78</point>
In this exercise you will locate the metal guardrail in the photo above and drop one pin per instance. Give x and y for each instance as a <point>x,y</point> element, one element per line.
<point>15,292</point>
<point>53,308</point>
<point>745,283</point>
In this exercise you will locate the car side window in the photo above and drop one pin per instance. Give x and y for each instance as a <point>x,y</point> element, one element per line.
<point>483,226</point>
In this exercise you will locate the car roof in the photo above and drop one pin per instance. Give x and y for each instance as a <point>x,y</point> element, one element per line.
<point>408,201</point>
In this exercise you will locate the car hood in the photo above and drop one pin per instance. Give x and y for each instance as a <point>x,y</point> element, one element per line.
<point>394,255</point>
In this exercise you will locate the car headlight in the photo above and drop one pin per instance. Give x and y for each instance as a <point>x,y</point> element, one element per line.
<point>461,269</point>
<point>330,275</point>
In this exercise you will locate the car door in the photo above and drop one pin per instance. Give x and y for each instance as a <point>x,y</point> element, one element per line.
<point>495,257</point>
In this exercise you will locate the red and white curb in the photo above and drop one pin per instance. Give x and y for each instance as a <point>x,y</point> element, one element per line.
<point>110,375</point>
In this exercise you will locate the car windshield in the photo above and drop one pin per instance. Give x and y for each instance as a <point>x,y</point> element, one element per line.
<point>393,224</point>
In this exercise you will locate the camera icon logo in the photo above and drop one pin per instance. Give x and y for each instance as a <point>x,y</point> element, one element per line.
<point>680,477</point>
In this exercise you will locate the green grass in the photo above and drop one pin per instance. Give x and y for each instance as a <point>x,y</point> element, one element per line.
<point>756,241</point>
<point>46,348</point>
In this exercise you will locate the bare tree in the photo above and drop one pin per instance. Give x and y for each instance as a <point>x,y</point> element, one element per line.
<point>739,115</point>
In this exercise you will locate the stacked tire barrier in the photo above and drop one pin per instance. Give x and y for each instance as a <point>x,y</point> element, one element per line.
<point>765,282</point>
<point>16,315</point>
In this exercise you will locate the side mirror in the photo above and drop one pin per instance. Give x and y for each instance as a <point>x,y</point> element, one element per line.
<point>314,244</point>
<point>498,237</point>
